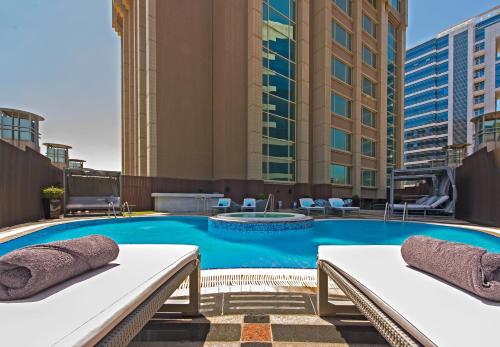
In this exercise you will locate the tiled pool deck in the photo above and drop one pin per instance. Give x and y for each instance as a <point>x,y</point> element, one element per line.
<point>258,319</point>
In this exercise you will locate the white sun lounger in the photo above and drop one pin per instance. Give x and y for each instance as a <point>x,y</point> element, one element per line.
<point>407,306</point>
<point>224,205</point>
<point>108,306</point>
<point>249,204</point>
<point>306,204</point>
<point>337,204</point>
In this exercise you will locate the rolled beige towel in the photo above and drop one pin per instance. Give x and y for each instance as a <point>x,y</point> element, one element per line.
<point>470,268</point>
<point>30,270</point>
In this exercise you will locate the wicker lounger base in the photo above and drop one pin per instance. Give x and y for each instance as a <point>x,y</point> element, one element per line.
<point>128,328</point>
<point>389,329</point>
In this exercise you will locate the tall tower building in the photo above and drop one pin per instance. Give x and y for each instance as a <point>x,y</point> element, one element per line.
<point>260,94</point>
<point>449,80</point>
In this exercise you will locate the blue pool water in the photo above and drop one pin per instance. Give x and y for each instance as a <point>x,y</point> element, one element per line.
<point>297,250</point>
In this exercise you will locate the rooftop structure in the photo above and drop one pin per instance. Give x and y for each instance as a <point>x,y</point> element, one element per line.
<point>487,131</point>
<point>20,128</point>
<point>76,163</point>
<point>449,80</point>
<point>58,154</point>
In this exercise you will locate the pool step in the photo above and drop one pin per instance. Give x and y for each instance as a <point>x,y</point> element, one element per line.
<point>257,319</point>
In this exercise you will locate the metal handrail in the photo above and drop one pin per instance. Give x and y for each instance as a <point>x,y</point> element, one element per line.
<point>269,203</point>
<point>385,211</point>
<point>405,211</point>
<point>125,204</point>
<point>111,206</point>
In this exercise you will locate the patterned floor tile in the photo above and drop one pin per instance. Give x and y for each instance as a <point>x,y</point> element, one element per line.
<point>256,332</point>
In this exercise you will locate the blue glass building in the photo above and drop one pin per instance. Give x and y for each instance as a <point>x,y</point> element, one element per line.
<point>449,80</point>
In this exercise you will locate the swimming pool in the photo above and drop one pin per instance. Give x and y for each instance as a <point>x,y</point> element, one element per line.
<point>283,251</point>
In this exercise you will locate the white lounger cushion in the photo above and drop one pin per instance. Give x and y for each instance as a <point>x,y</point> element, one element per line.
<point>444,314</point>
<point>94,302</point>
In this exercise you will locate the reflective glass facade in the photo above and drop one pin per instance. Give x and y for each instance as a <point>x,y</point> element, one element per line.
<point>426,101</point>
<point>15,127</point>
<point>278,87</point>
<point>487,130</point>
<point>57,155</point>
<point>392,73</point>
<point>340,174</point>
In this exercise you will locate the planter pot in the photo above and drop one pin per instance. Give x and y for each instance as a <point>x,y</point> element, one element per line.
<point>46,208</point>
<point>52,208</point>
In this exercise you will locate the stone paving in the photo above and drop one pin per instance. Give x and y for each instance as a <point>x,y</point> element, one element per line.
<point>258,319</point>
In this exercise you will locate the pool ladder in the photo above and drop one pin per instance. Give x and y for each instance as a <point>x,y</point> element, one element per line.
<point>387,212</point>
<point>269,203</point>
<point>111,208</point>
<point>126,205</point>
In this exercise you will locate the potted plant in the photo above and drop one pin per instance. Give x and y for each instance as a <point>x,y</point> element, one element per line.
<point>52,201</point>
<point>356,201</point>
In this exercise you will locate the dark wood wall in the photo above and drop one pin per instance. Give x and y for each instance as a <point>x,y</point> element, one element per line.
<point>478,186</point>
<point>22,176</point>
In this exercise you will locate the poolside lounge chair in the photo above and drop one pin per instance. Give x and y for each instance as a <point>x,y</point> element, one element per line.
<point>308,205</point>
<point>337,204</point>
<point>408,307</point>
<point>224,205</point>
<point>249,204</point>
<point>108,306</point>
<point>429,204</point>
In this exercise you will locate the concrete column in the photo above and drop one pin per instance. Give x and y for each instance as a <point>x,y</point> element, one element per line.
<point>321,90</point>
<point>254,96</point>
<point>140,8</point>
<point>302,83</point>
<point>151,131</point>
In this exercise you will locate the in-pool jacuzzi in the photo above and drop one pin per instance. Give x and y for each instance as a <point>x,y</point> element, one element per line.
<point>245,225</point>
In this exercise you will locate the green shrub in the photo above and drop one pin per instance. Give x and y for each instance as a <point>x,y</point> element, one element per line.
<point>261,196</point>
<point>52,193</point>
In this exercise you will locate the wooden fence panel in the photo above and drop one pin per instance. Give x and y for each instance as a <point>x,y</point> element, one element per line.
<point>136,190</point>
<point>22,176</point>
<point>478,186</point>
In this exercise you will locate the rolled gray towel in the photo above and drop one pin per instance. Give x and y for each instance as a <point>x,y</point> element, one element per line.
<point>470,268</point>
<point>27,271</point>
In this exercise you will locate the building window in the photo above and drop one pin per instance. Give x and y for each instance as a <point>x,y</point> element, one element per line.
<point>368,87</point>
<point>479,99</point>
<point>367,147</point>
<point>479,86</point>
<point>479,47</point>
<point>341,71</point>
<point>341,36</point>
<point>340,174</point>
<point>344,5</point>
<point>278,90</point>
<point>479,112</point>
<point>57,155</point>
<point>368,178</point>
<point>479,60</point>
<point>369,58</point>
<point>341,106</point>
<point>339,139</point>
<point>369,26</point>
<point>373,3</point>
<point>368,117</point>
<point>396,4</point>
<point>479,73</point>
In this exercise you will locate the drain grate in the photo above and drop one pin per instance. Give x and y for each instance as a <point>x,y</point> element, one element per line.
<point>231,278</point>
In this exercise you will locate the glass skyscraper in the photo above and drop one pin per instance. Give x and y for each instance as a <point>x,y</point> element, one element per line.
<point>449,80</point>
